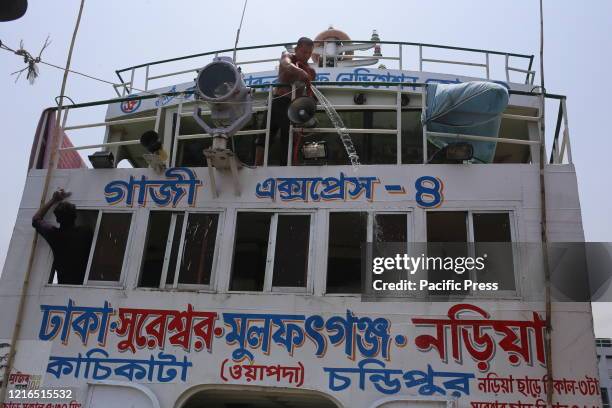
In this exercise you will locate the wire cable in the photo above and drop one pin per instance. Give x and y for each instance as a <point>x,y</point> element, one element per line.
<point>22,52</point>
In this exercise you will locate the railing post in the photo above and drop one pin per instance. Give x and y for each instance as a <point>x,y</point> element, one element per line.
<point>115,87</point>
<point>146,87</point>
<point>158,116</point>
<point>268,118</point>
<point>566,133</point>
<point>400,57</point>
<point>132,80</point>
<point>487,68</point>
<point>290,141</point>
<point>177,132</point>
<point>507,71</point>
<point>423,117</point>
<point>420,57</point>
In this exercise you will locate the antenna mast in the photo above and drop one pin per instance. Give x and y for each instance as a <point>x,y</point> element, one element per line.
<point>238,31</point>
<point>544,232</point>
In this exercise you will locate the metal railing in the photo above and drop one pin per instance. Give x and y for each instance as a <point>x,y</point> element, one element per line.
<point>127,86</point>
<point>560,152</point>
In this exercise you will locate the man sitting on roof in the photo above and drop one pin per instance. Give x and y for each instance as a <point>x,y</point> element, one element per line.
<point>70,243</point>
<point>293,70</point>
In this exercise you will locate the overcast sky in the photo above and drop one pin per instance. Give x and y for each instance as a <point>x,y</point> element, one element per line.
<point>117,33</point>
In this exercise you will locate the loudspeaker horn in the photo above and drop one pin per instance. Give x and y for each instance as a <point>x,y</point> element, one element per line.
<point>302,111</point>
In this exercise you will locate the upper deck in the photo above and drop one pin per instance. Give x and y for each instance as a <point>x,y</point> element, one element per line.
<point>381,106</point>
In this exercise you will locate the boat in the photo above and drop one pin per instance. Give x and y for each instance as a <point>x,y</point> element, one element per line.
<point>216,281</point>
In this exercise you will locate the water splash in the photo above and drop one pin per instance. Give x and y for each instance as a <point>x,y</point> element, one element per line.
<point>336,120</point>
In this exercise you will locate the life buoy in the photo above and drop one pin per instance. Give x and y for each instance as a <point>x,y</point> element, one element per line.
<point>331,34</point>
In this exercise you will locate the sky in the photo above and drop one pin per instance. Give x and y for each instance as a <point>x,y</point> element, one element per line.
<point>116,33</point>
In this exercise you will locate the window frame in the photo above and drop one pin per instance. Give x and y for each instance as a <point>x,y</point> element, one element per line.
<point>512,217</point>
<point>175,285</point>
<point>128,243</point>
<point>268,287</point>
<point>372,212</point>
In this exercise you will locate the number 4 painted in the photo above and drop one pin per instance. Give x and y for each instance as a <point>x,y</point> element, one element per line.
<point>429,192</point>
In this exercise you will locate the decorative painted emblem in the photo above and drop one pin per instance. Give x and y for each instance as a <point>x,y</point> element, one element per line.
<point>130,106</point>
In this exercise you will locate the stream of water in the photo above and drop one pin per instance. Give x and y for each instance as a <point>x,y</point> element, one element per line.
<point>336,120</point>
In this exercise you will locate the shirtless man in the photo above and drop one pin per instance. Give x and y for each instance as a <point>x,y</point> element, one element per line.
<point>293,69</point>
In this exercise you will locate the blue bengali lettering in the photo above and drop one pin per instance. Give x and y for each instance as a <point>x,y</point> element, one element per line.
<point>97,365</point>
<point>180,182</point>
<point>391,381</point>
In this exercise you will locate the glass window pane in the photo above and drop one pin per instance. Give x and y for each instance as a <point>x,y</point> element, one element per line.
<point>190,152</point>
<point>446,237</point>
<point>250,251</point>
<point>198,249</point>
<point>493,237</point>
<point>447,226</point>
<point>390,228</point>
<point>155,249</point>
<point>412,137</point>
<point>493,227</point>
<point>347,231</point>
<point>291,252</point>
<point>108,255</point>
<point>176,241</point>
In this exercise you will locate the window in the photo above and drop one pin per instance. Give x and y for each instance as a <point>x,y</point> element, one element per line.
<point>488,233</point>
<point>493,238</point>
<point>603,342</point>
<point>155,249</point>
<point>446,237</point>
<point>250,251</point>
<point>347,232</point>
<point>110,244</point>
<point>291,252</point>
<point>95,251</point>
<point>178,252</point>
<point>271,251</point>
<point>198,249</point>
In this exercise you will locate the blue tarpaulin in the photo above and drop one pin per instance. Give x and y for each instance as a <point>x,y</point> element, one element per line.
<point>470,108</point>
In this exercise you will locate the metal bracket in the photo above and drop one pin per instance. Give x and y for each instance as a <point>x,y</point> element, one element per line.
<point>223,159</point>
